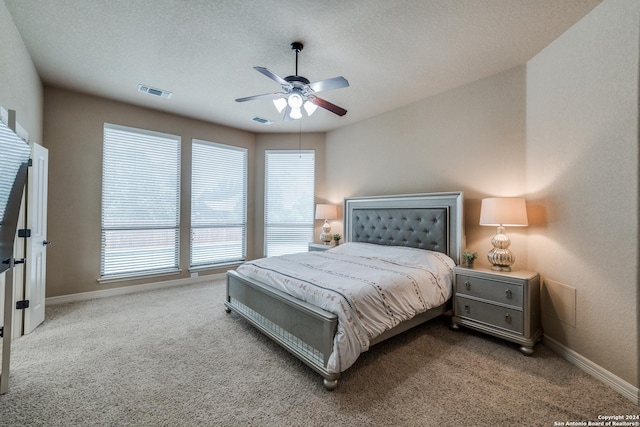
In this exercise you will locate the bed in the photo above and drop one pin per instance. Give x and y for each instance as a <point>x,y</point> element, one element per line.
<point>407,227</point>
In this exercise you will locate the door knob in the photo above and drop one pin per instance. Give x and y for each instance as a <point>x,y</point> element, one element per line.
<point>46,242</point>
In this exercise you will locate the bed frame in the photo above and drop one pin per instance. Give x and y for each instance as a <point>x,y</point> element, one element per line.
<point>427,221</point>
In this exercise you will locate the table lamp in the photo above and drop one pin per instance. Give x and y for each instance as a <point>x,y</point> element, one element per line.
<point>326,212</point>
<point>501,212</point>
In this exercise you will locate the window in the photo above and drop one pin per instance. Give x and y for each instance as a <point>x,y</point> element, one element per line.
<point>218,204</point>
<point>289,201</point>
<point>140,202</point>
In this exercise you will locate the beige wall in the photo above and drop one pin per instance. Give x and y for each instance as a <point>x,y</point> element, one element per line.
<point>582,176</point>
<point>471,138</point>
<point>73,128</point>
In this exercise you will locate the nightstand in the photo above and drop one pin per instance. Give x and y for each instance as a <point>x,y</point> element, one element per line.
<point>318,247</point>
<point>503,304</point>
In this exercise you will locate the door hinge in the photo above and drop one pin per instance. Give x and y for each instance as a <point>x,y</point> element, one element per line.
<point>24,232</point>
<point>1,331</point>
<point>21,305</point>
<point>30,163</point>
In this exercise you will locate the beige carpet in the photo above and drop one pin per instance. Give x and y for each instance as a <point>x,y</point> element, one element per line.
<point>173,357</point>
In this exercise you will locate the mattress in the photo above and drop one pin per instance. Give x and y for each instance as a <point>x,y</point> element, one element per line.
<point>371,288</point>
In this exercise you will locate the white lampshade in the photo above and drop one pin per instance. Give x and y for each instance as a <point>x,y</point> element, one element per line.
<point>295,100</point>
<point>326,211</point>
<point>280,103</point>
<point>295,113</point>
<point>504,211</point>
<point>310,107</point>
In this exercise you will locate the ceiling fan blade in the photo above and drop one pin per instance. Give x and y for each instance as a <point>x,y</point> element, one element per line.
<point>329,84</point>
<point>273,76</point>
<point>265,95</point>
<point>327,105</point>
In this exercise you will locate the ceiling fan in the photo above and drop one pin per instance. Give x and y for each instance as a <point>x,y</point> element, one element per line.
<point>298,92</point>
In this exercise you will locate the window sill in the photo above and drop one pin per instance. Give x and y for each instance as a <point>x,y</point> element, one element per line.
<point>226,265</point>
<point>128,277</point>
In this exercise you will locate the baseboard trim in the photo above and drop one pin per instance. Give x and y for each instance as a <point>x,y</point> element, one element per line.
<point>125,290</point>
<point>598,372</point>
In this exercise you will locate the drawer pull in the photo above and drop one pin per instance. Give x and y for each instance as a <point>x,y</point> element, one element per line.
<point>508,293</point>
<point>467,309</point>
<point>467,285</point>
<point>507,318</point>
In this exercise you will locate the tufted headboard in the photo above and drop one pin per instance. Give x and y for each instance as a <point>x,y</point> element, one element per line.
<point>427,221</point>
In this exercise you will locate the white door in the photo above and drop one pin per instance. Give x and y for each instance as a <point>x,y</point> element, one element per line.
<point>19,252</point>
<point>36,264</point>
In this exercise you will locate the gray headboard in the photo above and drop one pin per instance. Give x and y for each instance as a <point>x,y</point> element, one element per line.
<point>427,221</point>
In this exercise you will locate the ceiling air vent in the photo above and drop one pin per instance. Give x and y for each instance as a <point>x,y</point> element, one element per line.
<point>153,91</point>
<point>261,120</point>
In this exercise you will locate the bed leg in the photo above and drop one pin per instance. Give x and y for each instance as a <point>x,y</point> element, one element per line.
<point>330,385</point>
<point>227,309</point>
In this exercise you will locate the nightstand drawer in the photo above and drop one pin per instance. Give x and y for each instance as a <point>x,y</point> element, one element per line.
<point>491,314</point>
<point>492,290</point>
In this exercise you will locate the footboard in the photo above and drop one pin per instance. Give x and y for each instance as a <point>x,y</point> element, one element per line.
<point>304,330</point>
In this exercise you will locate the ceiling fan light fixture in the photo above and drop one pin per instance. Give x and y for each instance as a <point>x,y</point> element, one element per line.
<point>295,101</point>
<point>298,92</point>
<point>280,104</point>
<point>310,107</point>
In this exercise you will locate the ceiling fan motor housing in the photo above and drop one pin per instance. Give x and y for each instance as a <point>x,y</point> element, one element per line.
<point>300,84</point>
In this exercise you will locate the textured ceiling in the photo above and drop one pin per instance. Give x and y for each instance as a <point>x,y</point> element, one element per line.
<point>392,52</point>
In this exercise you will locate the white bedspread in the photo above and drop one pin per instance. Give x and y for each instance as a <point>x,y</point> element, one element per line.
<point>370,288</point>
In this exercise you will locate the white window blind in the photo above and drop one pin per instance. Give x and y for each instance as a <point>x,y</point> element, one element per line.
<point>140,202</point>
<point>218,204</point>
<point>15,155</point>
<point>289,201</point>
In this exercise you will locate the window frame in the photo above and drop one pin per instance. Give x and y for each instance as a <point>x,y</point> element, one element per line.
<point>109,225</point>
<point>309,223</point>
<point>220,225</point>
